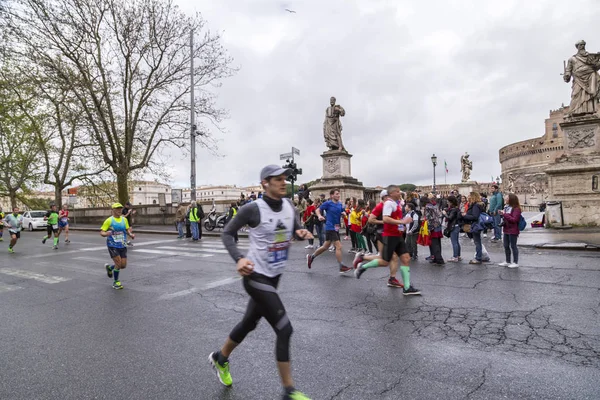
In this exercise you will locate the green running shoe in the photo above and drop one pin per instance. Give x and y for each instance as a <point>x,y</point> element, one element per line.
<point>108,270</point>
<point>117,285</point>
<point>10,250</point>
<point>295,395</point>
<point>221,370</point>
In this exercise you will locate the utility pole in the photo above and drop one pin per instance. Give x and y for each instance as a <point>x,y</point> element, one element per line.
<point>192,121</point>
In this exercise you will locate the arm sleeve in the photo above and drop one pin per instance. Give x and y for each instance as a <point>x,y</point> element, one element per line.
<point>388,209</point>
<point>106,225</point>
<point>247,215</point>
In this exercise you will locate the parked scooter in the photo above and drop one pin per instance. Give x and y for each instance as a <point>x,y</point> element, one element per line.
<point>213,220</point>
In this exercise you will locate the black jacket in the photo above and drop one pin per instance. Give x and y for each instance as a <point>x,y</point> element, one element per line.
<point>473,212</point>
<point>454,217</point>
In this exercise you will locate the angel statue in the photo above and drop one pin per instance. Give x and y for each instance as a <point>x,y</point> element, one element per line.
<point>465,167</point>
<point>332,126</point>
<point>583,68</point>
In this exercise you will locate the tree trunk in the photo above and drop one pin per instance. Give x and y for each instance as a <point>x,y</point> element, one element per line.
<point>13,199</point>
<point>58,196</point>
<point>123,187</point>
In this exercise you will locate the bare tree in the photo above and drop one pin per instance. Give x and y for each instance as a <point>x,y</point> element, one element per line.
<point>127,64</point>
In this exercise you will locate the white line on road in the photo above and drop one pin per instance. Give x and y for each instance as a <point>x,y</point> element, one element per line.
<point>170,253</point>
<point>221,251</point>
<point>32,275</point>
<point>62,253</point>
<point>210,285</point>
<point>8,288</point>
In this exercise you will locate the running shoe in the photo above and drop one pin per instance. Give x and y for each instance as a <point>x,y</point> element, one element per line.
<point>453,259</point>
<point>345,237</point>
<point>108,270</point>
<point>393,282</point>
<point>344,269</point>
<point>67,241</point>
<point>295,395</point>
<point>10,250</point>
<point>331,248</point>
<point>309,260</point>
<point>44,240</point>
<point>1,239</point>
<point>513,265</point>
<point>430,258</point>
<point>55,247</point>
<point>411,291</point>
<point>503,264</point>
<point>485,235</point>
<point>222,371</point>
<point>358,258</point>
<point>359,271</point>
<point>310,246</point>
<point>117,285</point>
<point>474,262</point>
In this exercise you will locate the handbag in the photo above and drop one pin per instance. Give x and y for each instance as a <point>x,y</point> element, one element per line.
<point>448,231</point>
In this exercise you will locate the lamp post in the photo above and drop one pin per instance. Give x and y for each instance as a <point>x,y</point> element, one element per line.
<point>434,162</point>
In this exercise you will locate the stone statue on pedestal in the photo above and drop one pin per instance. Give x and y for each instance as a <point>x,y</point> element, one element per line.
<point>465,167</point>
<point>583,67</point>
<point>511,183</point>
<point>332,126</point>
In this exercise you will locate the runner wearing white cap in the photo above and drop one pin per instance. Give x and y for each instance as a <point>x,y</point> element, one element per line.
<point>272,221</point>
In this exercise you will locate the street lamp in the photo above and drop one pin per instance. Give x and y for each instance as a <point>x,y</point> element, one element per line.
<point>434,162</point>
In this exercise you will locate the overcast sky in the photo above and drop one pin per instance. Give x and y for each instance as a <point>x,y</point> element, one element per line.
<point>415,78</point>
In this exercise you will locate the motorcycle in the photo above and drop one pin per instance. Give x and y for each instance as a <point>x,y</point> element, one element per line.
<point>213,220</point>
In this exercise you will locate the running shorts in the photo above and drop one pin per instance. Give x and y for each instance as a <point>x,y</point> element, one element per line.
<point>51,228</point>
<point>117,252</point>
<point>62,224</point>
<point>15,234</point>
<point>391,245</point>
<point>332,236</point>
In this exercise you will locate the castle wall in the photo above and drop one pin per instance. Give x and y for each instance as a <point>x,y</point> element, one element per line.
<point>524,163</point>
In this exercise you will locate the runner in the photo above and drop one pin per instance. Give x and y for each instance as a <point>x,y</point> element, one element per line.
<point>392,241</point>
<point>1,225</point>
<point>376,218</point>
<point>63,222</point>
<point>334,211</point>
<point>115,230</point>
<point>15,225</point>
<point>52,226</point>
<point>272,223</point>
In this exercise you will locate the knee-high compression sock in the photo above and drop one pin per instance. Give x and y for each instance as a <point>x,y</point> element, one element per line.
<point>56,241</point>
<point>371,264</point>
<point>405,272</point>
<point>116,274</point>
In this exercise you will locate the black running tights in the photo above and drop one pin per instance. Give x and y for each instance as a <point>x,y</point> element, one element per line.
<point>265,302</point>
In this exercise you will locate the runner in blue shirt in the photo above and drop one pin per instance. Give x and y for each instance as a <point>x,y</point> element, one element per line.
<point>334,211</point>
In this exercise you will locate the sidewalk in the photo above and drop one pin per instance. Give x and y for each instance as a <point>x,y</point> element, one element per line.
<point>573,239</point>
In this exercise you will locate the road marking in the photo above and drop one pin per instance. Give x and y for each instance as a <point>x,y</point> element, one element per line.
<point>32,275</point>
<point>62,253</point>
<point>221,251</point>
<point>171,253</point>
<point>8,288</point>
<point>192,290</point>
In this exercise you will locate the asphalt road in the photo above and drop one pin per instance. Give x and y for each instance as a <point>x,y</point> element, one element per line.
<point>478,332</point>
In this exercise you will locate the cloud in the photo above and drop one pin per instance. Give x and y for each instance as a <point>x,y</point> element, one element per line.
<point>415,79</point>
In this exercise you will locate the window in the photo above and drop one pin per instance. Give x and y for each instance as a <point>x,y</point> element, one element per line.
<point>595,182</point>
<point>167,190</point>
<point>554,130</point>
<point>140,189</point>
<point>153,201</point>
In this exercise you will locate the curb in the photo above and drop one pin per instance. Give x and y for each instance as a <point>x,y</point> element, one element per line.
<point>563,246</point>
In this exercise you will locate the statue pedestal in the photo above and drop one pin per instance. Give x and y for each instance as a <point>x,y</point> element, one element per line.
<point>337,174</point>
<point>465,188</point>
<point>573,177</point>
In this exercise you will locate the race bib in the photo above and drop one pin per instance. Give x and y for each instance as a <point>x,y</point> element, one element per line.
<point>277,254</point>
<point>55,227</point>
<point>337,227</point>
<point>118,237</point>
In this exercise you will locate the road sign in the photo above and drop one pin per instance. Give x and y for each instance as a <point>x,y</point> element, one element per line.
<point>295,151</point>
<point>285,156</point>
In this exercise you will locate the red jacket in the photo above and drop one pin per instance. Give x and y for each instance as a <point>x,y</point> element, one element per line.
<point>309,210</point>
<point>511,221</point>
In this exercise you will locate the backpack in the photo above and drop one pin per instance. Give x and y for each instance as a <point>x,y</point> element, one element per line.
<point>522,223</point>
